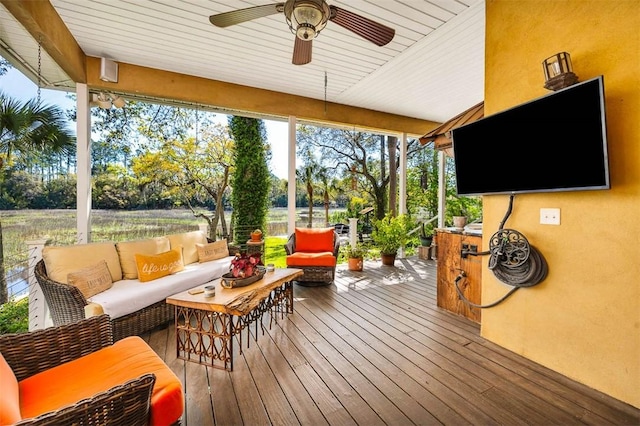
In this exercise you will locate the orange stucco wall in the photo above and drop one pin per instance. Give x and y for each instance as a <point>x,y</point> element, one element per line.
<point>584,319</point>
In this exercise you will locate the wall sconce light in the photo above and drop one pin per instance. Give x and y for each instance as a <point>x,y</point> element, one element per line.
<point>106,100</point>
<point>558,72</point>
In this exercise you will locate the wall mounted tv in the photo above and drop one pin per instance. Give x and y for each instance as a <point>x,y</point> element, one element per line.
<point>554,143</point>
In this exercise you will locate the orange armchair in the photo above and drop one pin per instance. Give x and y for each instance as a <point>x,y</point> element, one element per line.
<point>315,251</point>
<point>75,374</point>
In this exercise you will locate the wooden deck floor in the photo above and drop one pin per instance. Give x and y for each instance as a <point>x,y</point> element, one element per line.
<point>375,349</point>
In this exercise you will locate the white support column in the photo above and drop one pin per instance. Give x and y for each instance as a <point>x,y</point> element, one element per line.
<point>39,316</point>
<point>291,199</point>
<point>442,195</point>
<point>83,219</point>
<point>353,231</point>
<point>402,185</point>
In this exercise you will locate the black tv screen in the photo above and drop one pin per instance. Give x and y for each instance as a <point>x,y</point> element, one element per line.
<point>554,143</point>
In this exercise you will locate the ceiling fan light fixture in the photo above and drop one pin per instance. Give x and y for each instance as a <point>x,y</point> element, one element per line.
<point>306,18</point>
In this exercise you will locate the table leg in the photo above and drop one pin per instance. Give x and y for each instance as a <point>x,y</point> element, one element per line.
<point>230,347</point>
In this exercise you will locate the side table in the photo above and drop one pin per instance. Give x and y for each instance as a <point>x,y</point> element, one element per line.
<point>256,247</point>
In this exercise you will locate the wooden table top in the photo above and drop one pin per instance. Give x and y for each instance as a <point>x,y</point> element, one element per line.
<point>235,301</point>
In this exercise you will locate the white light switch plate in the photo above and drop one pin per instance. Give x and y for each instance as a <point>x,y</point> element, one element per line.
<point>550,216</point>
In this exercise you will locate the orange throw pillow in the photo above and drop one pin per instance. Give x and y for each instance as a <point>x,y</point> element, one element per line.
<point>10,401</point>
<point>314,239</point>
<point>153,266</point>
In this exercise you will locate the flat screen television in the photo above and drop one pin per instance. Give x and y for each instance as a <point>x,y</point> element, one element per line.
<point>554,143</point>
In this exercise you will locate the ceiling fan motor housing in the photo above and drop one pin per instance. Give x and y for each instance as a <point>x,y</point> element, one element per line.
<point>306,18</point>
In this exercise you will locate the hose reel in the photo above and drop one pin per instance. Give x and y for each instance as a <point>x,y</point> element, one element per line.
<point>512,260</point>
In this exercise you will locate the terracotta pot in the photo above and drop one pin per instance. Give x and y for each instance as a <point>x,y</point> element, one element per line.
<point>355,263</point>
<point>388,259</point>
<point>256,236</point>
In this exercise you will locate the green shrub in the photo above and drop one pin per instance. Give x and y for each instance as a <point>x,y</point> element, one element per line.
<point>14,316</point>
<point>391,232</point>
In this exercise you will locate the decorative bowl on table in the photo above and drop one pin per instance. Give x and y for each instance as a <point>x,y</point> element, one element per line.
<point>229,281</point>
<point>245,269</point>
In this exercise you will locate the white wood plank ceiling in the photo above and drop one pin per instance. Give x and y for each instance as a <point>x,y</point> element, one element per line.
<point>433,68</point>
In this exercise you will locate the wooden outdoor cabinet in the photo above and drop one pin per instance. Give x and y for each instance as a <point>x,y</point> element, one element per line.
<point>450,262</point>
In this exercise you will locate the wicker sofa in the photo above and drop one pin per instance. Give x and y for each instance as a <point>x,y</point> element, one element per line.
<point>134,305</point>
<point>315,251</point>
<point>75,374</point>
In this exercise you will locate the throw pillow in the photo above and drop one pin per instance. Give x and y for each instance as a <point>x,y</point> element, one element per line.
<point>212,251</point>
<point>188,241</point>
<point>314,240</point>
<point>128,249</point>
<point>154,266</point>
<point>91,280</point>
<point>60,260</point>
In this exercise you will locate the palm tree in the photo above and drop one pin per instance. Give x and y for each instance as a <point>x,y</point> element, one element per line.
<point>27,128</point>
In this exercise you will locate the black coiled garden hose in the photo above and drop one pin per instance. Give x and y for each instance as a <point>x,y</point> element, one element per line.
<point>512,260</point>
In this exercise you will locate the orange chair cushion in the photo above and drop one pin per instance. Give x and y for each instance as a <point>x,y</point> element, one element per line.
<point>314,240</point>
<point>311,259</point>
<point>99,371</point>
<point>10,400</point>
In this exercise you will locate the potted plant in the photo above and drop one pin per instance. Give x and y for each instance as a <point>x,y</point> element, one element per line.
<point>256,235</point>
<point>426,234</point>
<point>389,234</point>
<point>458,211</point>
<point>355,257</point>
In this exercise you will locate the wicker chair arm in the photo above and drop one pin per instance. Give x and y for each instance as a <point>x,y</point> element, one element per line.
<point>125,404</point>
<point>66,303</point>
<point>30,353</point>
<point>336,244</point>
<point>290,246</point>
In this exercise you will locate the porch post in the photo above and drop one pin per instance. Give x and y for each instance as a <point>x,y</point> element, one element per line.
<point>39,316</point>
<point>291,189</point>
<point>402,185</point>
<point>442,193</point>
<point>353,231</point>
<point>83,219</point>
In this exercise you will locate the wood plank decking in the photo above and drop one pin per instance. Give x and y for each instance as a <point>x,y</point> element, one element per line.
<point>375,349</point>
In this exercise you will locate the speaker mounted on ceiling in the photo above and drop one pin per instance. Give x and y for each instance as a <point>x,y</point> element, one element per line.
<point>108,70</point>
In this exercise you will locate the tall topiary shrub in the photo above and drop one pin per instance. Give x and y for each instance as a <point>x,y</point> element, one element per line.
<point>251,178</point>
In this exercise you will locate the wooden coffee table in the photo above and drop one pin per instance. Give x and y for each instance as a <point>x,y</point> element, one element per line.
<point>206,326</point>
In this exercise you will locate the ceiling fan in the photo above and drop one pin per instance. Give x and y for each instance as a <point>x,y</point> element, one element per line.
<point>306,18</point>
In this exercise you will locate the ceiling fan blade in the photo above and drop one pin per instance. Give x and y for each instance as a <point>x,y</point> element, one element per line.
<point>301,52</point>
<point>243,15</point>
<point>364,27</point>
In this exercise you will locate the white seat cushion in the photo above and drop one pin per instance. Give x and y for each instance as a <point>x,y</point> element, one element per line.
<point>128,296</point>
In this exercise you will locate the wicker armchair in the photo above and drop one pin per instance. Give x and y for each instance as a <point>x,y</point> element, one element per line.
<point>66,304</point>
<point>316,255</point>
<point>28,354</point>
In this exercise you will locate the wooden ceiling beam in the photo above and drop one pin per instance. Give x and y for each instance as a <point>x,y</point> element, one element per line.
<point>151,82</point>
<point>44,24</point>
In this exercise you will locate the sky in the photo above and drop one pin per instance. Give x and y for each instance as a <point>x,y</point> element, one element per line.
<point>16,85</point>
